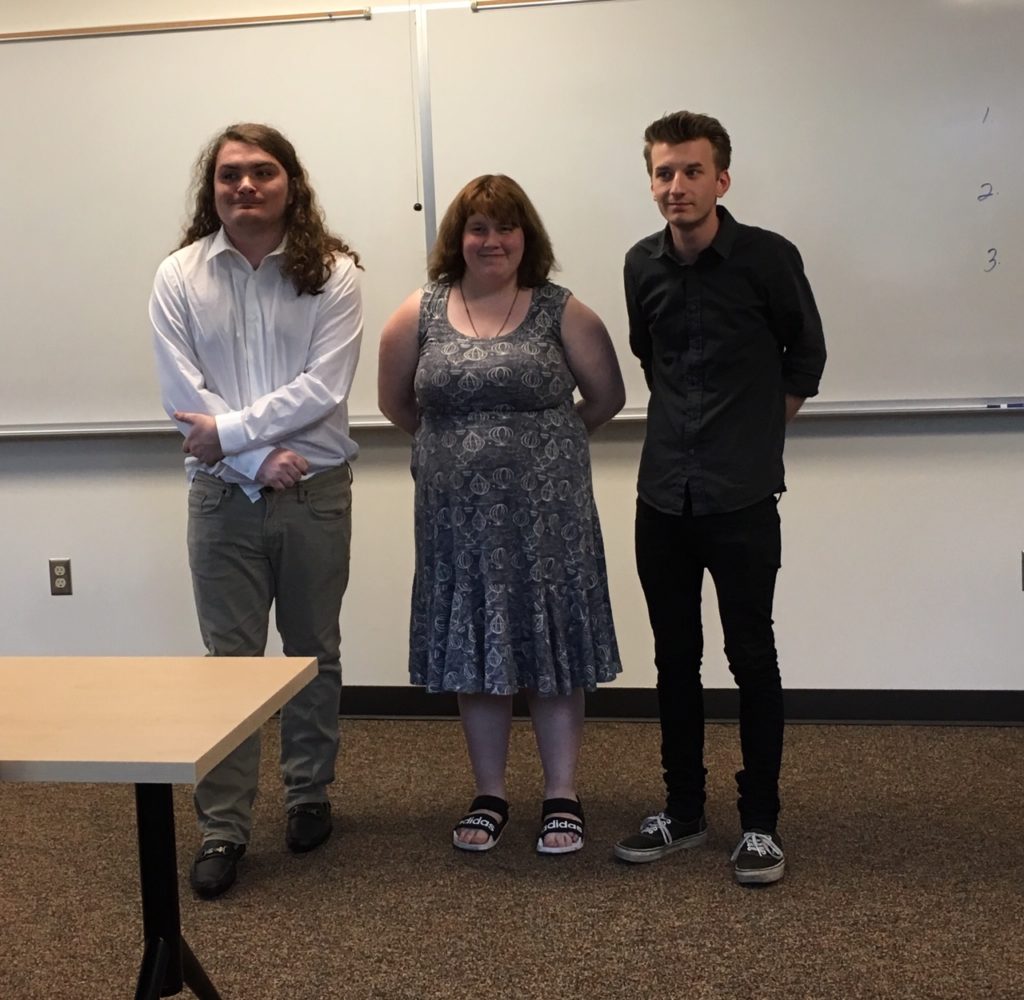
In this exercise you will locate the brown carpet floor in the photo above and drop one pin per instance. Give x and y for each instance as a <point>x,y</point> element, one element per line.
<point>904,844</point>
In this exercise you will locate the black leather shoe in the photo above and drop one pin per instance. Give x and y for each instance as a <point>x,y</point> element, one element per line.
<point>309,825</point>
<point>215,867</point>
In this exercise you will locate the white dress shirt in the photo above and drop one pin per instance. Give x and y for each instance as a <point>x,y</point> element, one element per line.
<point>273,368</point>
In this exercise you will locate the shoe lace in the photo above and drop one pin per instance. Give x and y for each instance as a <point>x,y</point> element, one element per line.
<point>757,843</point>
<point>657,824</point>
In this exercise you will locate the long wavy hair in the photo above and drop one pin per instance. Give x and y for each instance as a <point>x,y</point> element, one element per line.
<point>308,256</point>
<point>501,199</point>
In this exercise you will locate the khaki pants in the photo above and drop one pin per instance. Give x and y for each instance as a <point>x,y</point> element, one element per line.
<point>289,549</point>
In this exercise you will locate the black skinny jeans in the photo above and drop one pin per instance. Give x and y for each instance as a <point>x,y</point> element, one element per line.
<point>741,550</point>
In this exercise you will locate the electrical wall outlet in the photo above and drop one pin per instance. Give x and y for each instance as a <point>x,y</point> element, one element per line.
<point>60,577</point>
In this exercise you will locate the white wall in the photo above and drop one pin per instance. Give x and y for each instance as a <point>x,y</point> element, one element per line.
<point>902,538</point>
<point>901,553</point>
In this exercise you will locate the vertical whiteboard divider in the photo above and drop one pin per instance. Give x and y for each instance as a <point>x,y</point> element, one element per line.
<point>425,127</point>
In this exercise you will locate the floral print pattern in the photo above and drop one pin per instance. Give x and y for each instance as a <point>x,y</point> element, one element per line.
<point>510,589</point>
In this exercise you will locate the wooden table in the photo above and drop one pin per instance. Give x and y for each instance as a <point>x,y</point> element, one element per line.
<point>153,721</point>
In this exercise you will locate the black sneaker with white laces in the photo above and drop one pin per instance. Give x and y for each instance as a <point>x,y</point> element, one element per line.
<point>659,835</point>
<point>758,858</point>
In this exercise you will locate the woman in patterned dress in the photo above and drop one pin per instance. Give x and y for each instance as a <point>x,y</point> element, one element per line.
<point>510,592</point>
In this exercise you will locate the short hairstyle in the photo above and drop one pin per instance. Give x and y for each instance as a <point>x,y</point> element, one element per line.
<point>499,198</point>
<point>308,256</point>
<point>685,126</point>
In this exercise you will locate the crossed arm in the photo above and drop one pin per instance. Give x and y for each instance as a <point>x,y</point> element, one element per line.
<point>281,469</point>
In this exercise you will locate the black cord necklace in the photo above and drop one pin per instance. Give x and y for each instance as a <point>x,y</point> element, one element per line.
<point>469,315</point>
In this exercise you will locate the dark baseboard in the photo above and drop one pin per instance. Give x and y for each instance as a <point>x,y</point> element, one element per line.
<point>993,708</point>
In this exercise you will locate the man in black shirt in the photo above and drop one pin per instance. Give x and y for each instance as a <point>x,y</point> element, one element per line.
<point>724,323</point>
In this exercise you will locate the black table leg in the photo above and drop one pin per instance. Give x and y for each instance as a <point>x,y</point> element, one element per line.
<point>167,962</point>
<point>154,967</point>
<point>195,977</point>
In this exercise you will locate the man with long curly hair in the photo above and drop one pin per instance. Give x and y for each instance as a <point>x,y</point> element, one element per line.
<point>257,322</point>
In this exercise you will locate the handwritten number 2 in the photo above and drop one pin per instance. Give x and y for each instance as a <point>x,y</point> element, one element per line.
<point>986,192</point>
<point>993,260</point>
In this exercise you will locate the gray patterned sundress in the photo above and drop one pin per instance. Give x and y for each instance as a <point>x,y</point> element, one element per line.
<point>510,588</point>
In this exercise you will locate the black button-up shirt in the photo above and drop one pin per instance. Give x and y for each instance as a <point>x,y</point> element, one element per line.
<point>722,342</point>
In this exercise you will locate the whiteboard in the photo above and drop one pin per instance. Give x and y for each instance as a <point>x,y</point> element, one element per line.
<point>100,135</point>
<point>865,132</point>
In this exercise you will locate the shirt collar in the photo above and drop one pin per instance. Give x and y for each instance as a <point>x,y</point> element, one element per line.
<point>722,244</point>
<point>221,244</point>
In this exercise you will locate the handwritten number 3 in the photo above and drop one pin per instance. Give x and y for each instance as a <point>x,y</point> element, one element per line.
<point>993,256</point>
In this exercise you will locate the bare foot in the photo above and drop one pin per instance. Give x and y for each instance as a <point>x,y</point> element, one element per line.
<point>481,827</point>
<point>478,836</point>
<point>563,820</point>
<point>561,839</point>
